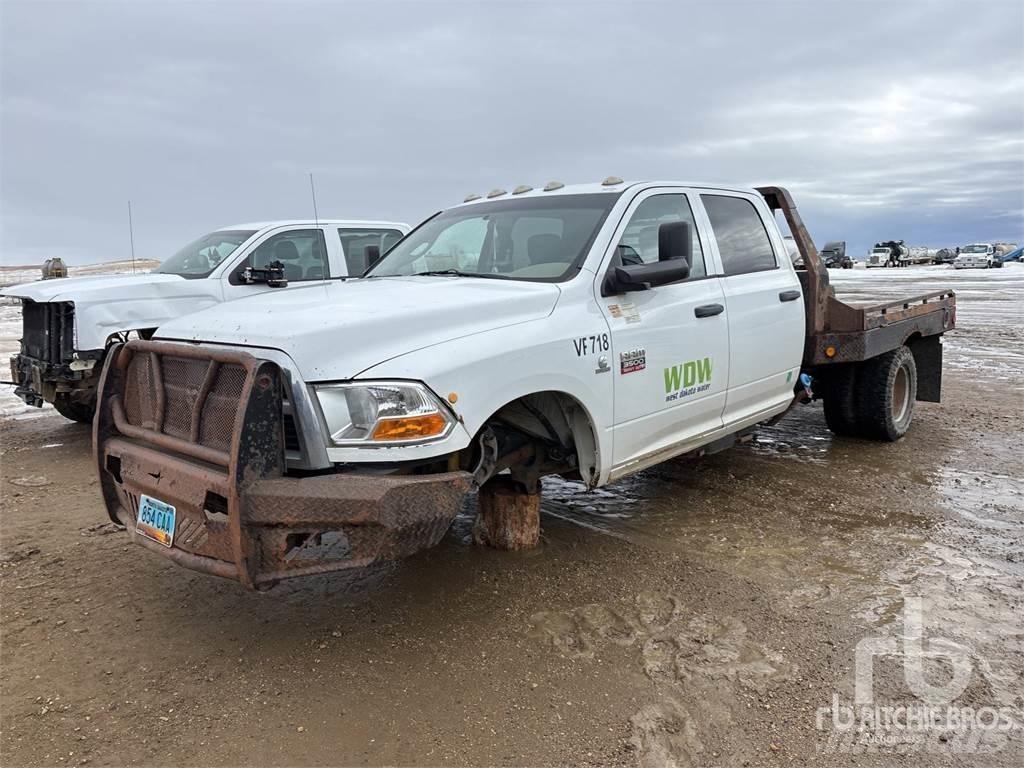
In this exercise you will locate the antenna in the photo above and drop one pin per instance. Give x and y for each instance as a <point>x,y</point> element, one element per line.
<point>131,235</point>
<point>312,190</point>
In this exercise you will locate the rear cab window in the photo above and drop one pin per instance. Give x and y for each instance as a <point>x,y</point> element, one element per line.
<point>356,240</point>
<point>740,233</point>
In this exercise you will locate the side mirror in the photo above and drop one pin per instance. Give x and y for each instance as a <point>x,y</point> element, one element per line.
<point>674,242</point>
<point>372,253</point>
<point>273,275</point>
<point>641,277</point>
<point>673,264</point>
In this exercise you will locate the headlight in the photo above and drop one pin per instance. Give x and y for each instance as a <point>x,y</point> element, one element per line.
<point>366,413</point>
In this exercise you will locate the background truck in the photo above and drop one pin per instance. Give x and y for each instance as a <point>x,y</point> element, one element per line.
<point>68,324</point>
<point>983,255</point>
<point>887,253</point>
<point>834,255</point>
<point>586,331</point>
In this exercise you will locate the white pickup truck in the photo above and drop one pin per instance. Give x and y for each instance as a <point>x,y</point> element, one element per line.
<point>586,331</point>
<point>68,324</point>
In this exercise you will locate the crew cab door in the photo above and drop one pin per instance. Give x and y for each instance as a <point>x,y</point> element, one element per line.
<point>303,250</point>
<point>670,344</point>
<point>764,304</point>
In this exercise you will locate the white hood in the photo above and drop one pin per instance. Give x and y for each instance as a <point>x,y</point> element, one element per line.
<point>107,304</point>
<point>334,331</point>
<point>68,288</point>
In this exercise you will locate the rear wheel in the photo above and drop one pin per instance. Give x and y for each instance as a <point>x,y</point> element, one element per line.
<point>75,410</point>
<point>886,391</point>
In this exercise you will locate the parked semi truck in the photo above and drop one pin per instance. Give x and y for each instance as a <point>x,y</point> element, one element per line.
<point>586,331</point>
<point>68,325</point>
<point>896,253</point>
<point>834,255</point>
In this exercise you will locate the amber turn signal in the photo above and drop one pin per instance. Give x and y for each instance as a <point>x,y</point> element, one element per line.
<point>409,427</point>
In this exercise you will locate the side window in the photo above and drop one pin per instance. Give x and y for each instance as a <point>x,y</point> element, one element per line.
<point>742,239</point>
<point>354,243</point>
<point>639,241</point>
<point>301,251</point>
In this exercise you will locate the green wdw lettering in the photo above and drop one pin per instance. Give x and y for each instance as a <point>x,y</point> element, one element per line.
<point>673,377</point>
<point>704,370</point>
<point>688,374</point>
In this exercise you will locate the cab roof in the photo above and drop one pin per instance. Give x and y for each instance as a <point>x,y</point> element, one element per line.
<point>616,186</point>
<point>261,225</point>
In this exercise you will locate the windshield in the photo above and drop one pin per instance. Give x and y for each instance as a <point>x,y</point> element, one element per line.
<point>532,238</point>
<point>974,249</point>
<point>880,250</point>
<point>200,257</point>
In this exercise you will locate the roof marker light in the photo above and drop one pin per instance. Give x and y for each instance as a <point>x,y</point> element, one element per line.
<point>551,186</point>
<point>611,181</point>
<point>496,193</point>
<point>471,197</point>
<point>521,188</point>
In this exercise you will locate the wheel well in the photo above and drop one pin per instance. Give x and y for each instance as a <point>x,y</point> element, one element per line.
<point>122,337</point>
<point>545,433</point>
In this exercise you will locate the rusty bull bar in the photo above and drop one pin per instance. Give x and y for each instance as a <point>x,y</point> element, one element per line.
<point>202,429</point>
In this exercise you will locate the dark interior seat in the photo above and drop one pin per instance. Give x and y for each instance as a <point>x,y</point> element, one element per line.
<point>545,249</point>
<point>286,252</point>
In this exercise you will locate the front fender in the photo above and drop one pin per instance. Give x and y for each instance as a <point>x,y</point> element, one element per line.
<point>484,372</point>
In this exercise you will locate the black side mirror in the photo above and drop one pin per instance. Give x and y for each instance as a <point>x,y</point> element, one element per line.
<point>673,264</point>
<point>372,253</point>
<point>641,277</point>
<point>674,242</point>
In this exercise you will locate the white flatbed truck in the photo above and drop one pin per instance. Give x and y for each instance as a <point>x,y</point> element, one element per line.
<point>586,331</point>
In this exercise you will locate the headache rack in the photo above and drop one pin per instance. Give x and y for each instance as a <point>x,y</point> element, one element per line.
<point>837,332</point>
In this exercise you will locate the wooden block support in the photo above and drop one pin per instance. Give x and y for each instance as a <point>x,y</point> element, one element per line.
<point>508,518</point>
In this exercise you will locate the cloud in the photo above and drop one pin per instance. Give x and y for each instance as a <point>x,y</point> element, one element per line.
<point>886,120</point>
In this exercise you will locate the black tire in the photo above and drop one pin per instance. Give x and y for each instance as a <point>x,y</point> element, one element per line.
<point>886,391</point>
<point>838,402</point>
<point>74,410</point>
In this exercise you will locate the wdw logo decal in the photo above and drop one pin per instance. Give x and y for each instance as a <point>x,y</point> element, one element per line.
<point>687,379</point>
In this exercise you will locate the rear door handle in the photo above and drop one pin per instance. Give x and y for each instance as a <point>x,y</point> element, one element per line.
<point>789,295</point>
<point>709,310</point>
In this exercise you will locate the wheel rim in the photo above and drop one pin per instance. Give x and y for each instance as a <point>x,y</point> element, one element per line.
<point>900,394</point>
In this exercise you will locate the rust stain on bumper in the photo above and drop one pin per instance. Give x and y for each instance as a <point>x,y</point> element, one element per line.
<point>237,515</point>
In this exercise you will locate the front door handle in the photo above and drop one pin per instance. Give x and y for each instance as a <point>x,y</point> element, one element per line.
<point>789,295</point>
<point>709,310</point>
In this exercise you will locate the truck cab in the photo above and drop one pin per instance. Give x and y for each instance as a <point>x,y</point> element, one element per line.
<point>975,256</point>
<point>68,323</point>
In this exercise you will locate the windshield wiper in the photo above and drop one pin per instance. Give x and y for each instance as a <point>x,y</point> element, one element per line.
<point>457,273</point>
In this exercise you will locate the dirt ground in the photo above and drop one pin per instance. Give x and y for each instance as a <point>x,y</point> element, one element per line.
<point>699,613</point>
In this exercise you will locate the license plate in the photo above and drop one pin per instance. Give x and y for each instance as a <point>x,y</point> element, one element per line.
<point>156,520</point>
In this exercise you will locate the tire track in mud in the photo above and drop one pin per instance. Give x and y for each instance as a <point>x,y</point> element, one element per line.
<point>696,665</point>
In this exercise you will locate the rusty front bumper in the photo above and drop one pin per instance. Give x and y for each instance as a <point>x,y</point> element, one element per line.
<point>201,429</point>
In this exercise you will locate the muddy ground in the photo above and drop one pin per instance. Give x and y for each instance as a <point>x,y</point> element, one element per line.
<point>699,613</point>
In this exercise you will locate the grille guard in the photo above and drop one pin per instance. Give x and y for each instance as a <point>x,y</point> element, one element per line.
<point>202,428</point>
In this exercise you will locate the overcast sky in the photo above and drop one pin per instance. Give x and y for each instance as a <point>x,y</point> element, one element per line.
<point>885,119</point>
